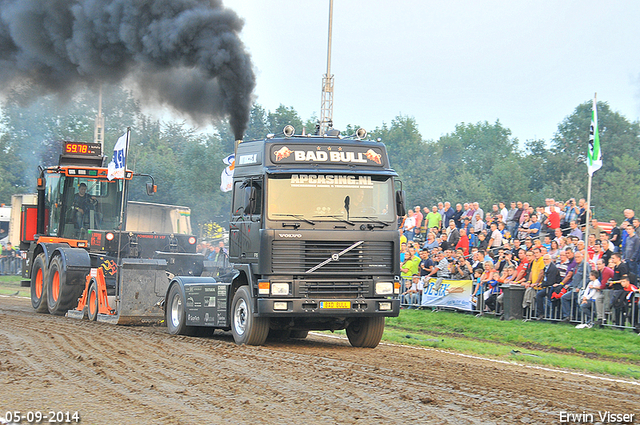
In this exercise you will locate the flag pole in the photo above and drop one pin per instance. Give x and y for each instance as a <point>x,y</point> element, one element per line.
<point>122,202</point>
<point>586,236</point>
<point>124,177</point>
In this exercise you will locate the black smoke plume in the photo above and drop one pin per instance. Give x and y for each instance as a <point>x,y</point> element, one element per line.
<point>183,53</point>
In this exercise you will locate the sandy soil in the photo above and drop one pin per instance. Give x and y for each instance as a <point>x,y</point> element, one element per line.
<point>142,375</point>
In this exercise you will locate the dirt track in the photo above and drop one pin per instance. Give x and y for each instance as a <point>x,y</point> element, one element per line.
<point>142,375</point>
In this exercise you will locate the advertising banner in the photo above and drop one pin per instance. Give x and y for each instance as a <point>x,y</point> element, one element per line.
<point>451,294</point>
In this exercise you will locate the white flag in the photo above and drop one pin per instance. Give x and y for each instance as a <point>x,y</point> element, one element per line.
<point>226,184</point>
<point>594,154</point>
<point>119,160</point>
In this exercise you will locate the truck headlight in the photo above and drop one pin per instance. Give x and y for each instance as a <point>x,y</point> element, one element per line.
<point>279,289</point>
<point>384,288</point>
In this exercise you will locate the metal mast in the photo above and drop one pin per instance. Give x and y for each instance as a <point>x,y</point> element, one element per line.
<point>98,131</point>
<point>326,110</point>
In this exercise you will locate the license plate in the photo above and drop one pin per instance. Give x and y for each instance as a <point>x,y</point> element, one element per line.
<point>335,304</point>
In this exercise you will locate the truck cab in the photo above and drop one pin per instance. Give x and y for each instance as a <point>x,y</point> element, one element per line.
<point>313,238</point>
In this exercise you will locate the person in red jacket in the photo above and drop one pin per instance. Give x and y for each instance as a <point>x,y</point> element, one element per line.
<point>553,220</point>
<point>463,242</point>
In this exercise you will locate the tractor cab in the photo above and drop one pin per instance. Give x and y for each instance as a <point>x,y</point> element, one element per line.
<point>75,205</point>
<point>76,197</point>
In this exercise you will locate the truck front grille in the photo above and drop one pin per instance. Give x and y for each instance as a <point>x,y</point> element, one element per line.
<point>296,257</point>
<point>335,289</point>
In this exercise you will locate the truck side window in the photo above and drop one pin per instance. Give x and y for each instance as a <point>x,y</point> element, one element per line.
<point>247,199</point>
<point>238,199</point>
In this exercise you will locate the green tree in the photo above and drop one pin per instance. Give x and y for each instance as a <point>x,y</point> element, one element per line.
<point>617,137</point>
<point>11,171</point>
<point>620,189</point>
<point>258,125</point>
<point>407,155</point>
<point>613,187</point>
<point>281,117</point>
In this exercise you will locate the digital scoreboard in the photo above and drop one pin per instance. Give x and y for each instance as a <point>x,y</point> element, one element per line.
<point>88,149</point>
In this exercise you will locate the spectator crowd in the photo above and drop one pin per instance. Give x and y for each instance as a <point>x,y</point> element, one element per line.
<point>10,260</point>
<point>571,270</point>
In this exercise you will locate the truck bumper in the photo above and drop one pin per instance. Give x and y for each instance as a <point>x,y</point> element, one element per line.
<point>361,307</point>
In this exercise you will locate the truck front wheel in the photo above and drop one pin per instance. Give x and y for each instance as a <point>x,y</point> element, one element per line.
<point>366,332</point>
<point>246,328</point>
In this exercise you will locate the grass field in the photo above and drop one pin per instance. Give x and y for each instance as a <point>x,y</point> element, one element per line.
<point>593,350</point>
<point>608,351</point>
<point>9,285</point>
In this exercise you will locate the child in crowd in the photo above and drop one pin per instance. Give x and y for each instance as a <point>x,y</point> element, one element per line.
<point>588,301</point>
<point>478,293</point>
<point>492,291</point>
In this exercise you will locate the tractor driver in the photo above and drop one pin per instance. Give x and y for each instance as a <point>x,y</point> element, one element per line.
<point>83,202</point>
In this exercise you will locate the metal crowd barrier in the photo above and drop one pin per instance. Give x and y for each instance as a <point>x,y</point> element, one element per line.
<point>10,265</point>
<point>624,315</point>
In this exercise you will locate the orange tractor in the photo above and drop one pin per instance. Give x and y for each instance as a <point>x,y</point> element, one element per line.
<point>77,257</point>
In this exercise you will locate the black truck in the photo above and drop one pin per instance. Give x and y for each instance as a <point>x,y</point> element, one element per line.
<point>313,244</point>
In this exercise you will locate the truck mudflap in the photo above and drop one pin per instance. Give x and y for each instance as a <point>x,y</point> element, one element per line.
<point>305,307</point>
<point>141,289</point>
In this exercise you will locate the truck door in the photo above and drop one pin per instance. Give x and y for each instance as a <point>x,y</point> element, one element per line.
<point>246,221</point>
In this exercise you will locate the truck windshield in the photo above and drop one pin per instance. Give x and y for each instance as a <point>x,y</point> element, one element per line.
<point>330,197</point>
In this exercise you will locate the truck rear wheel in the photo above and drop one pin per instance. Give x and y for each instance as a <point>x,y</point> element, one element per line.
<point>366,332</point>
<point>61,296</point>
<point>299,334</point>
<point>278,334</point>
<point>175,315</point>
<point>38,287</point>
<point>246,328</point>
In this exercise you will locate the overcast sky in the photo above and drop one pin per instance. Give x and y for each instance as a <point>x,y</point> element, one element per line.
<point>526,63</point>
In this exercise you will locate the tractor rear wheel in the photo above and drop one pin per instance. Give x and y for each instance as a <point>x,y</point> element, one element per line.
<point>38,286</point>
<point>61,295</point>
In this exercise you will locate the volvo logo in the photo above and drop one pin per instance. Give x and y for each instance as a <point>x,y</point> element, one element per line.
<point>335,257</point>
<point>290,235</point>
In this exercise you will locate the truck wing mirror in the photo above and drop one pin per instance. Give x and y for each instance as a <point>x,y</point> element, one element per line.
<point>151,188</point>
<point>401,202</point>
<point>41,182</point>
